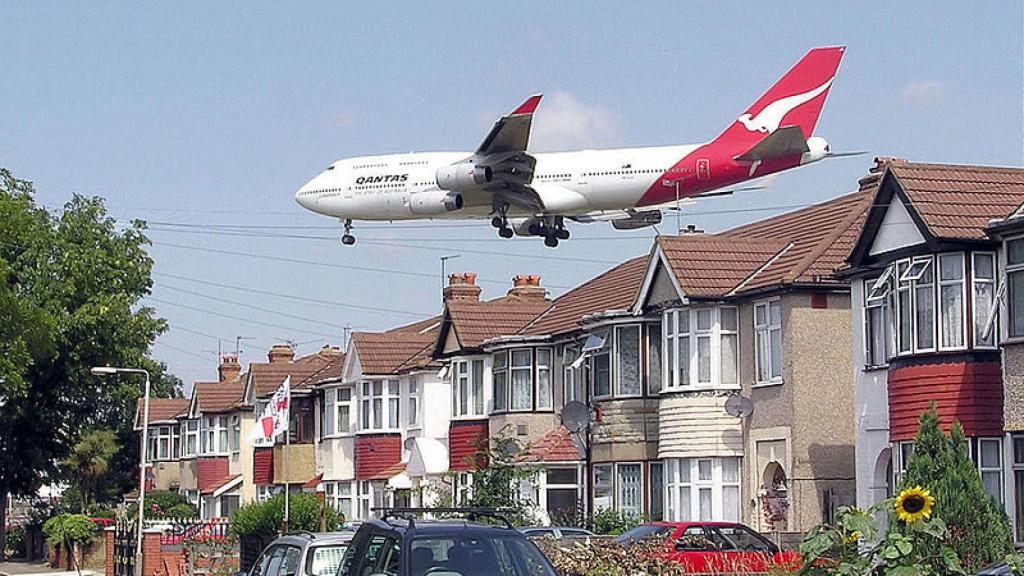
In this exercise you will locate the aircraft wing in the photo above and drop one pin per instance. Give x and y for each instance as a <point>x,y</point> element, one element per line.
<point>511,133</point>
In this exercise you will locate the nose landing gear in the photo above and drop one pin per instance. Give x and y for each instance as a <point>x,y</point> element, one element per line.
<point>347,238</point>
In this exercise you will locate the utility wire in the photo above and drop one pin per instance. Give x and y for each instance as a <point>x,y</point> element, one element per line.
<point>182,350</point>
<point>231,317</point>
<point>252,307</point>
<point>294,297</point>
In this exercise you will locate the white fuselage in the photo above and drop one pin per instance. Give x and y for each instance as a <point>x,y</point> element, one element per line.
<point>569,183</point>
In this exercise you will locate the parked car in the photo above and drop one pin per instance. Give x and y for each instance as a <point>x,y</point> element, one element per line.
<point>557,532</point>
<point>400,544</point>
<point>302,554</point>
<point>714,547</point>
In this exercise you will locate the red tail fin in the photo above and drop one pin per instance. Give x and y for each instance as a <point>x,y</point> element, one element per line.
<point>795,100</point>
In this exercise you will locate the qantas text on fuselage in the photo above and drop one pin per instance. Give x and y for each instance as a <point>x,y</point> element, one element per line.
<point>536,194</point>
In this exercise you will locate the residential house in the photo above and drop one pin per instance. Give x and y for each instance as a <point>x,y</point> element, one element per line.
<point>164,438</point>
<point>211,464</point>
<point>936,250</point>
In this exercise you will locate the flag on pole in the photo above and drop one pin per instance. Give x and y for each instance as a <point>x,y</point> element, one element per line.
<point>274,420</point>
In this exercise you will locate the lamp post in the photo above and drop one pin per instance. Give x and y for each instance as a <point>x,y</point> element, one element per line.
<point>109,371</point>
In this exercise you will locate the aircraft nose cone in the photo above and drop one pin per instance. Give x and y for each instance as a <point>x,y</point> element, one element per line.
<point>305,196</point>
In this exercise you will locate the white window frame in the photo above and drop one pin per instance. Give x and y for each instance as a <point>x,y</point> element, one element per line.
<point>673,332</point>
<point>161,443</point>
<point>527,368</point>
<point>683,474</point>
<point>574,384</point>
<point>190,432</point>
<point>604,350</point>
<point>234,433</point>
<point>980,316</point>
<point>763,335</point>
<point>412,411</point>
<point>931,288</point>
<point>940,309</point>
<point>214,432</point>
<point>341,495</point>
<point>466,379</point>
<point>617,495</point>
<point>368,405</point>
<point>998,469</point>
<point>883,303</point>
<point>654,374</point>
<point>500,372</point>
<point>908,272</point>
<point>1010,270</point>
<point>610,486</point>
<point>544,401</point>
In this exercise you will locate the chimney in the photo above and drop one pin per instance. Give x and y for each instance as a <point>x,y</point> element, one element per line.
<point>527,286</point>
<point>462,286</point>
<point>329,352</point>
<point>875,172</point>
<point>280,353</point>
<point>229,368</point>
<point>691,229</point>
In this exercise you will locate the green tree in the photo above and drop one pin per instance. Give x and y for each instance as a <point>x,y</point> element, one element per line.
<point>498,475</point>
<point>88,463</point>
<point>70,286</point>
<point>979,530</point>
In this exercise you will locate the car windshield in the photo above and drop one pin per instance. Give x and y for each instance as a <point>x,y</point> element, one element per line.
<point>324,560</point>
<point>472,556</point>
<point>643,532</point>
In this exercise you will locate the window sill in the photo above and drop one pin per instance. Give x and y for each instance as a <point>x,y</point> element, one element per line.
<point>769,384</point>
<point>1012,340</point>
<point>701,388</point>
<point>381,431</point>
<point>465,417</point>
<point>338,436</point>
<point>871,368</point>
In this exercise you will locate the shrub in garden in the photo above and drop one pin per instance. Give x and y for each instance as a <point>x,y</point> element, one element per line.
<point>979,530</point>
<point>608,558</point>
<point>68,530</point>
<point>609,521</point>
<point>16,542</point>
<point>264,518</point>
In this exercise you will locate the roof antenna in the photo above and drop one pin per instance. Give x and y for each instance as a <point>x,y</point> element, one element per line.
<point>238,343</point>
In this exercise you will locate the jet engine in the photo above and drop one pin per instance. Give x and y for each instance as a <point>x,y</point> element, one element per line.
<point>463,176</point>
<point>818,148</point>
<point>638,220</point>
<point>431,202</point>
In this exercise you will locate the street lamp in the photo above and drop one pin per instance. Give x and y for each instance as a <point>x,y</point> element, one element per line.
<point>101,371</point>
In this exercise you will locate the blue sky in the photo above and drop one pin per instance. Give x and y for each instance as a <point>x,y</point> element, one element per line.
<point>212,114</point>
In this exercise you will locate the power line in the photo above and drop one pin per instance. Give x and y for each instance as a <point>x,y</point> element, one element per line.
<point>182,350</point>
<point>197,332</point>
<point>252,307</point>
<point>231,317</point>
<point>293,297</point>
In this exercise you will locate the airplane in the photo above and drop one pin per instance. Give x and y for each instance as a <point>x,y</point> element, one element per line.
<point>535,194</point>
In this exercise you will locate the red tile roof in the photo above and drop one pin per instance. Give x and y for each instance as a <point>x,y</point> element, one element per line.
<point>219,482</point>
<point>475,322</point>
<point>958,201</point>
<point>393,352</point>
<point>708,266</point>
<point>214,397</point>
<point>163,409</point>
<point>614,289</point>
<point>305,371</point>
<point>555,446</point>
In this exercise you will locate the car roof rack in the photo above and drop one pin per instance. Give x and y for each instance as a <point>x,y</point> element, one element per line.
<point>472,514</point>
<point>300,533</point>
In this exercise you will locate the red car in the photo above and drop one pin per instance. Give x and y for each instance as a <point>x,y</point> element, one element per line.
<point>714,547</point>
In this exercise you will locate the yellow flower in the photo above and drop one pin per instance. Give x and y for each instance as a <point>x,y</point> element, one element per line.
<point>914,504</point>
<point>853,538</point>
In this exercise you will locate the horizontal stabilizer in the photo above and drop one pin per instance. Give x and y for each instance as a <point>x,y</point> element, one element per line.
<point>787,141</point>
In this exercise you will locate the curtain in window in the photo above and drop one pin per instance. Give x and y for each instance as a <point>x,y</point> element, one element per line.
<point>630,490</point>
<point>544,378</point>
<point>478,387</point>
<point>629,360</point>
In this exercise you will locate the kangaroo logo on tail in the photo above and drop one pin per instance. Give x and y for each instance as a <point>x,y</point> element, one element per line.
<point>768,119</point>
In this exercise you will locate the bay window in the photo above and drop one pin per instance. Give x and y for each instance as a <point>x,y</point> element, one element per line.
<point>704,489</point>
<point>499,381</point>
<point>414,402</point>
<point>627,347</point>
<point>164,443</point>
<point>235,431</point>
<point>600,368</point>
<point>653,358</point>
<point>191,432</point>
<point>544,396</point>
<point>702,347</point>
<point>989,459</point>
<point>468,388</point>
<point>1015,287</point>
<point>573,378</point>
<point>924,303</point>
<point>768,342</point>
<point>952,301</point>
<point>521,372</point>
<point>877,321</point>
<point>339,495</point>
<point>379,405</point>
<point>214,435</point>
<point>337,408</point>
<point>983,289</point>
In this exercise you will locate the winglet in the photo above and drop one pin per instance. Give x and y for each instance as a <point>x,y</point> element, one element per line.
<point>529,106</point>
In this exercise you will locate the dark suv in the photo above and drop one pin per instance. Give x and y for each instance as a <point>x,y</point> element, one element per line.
<point>399,544</point>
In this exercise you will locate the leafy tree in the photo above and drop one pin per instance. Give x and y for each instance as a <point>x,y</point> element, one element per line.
<point>497,478</point>
<point>88,463</point>
<point>159,504</point>
<point>70,285</point>
<point>979,530</point>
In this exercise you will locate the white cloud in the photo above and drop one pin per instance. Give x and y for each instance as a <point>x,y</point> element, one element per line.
<point>921,92</point>
<point>564,123</point>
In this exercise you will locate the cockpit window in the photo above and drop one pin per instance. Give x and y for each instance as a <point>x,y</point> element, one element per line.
<point>331,167</point>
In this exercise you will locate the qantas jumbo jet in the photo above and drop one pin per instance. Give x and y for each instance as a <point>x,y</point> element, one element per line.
<point>535,194</point>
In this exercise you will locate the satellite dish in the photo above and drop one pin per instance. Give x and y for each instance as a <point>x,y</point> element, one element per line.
<point>739,406</point>
<point>575,416</point>
<point>409,443</point>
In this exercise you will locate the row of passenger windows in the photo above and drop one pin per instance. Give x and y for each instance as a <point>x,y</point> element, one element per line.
<point>362,166</point>
<point>617,172</point>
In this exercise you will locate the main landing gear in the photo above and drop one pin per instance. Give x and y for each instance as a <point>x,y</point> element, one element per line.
<point>551,228</point>
<point>500,221</point>
<point>347,238</point>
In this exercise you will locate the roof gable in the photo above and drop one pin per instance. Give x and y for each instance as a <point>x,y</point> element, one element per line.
<point>897,230</point>
<point>386,353</point>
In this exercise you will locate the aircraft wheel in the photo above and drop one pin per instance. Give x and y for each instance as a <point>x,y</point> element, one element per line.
<point>562,234</point>
<point>348,240</point>
<point>536,230</point>
<point>505,232</point>
<point>551,241</point>
<point>498,222</point>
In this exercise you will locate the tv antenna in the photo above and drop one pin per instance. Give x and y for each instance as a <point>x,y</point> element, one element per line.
<point>238,343</point>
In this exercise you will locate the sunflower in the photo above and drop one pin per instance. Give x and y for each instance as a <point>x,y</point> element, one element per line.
<point>914,504</point>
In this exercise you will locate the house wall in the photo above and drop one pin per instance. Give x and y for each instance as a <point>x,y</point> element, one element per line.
<point>166,475</point>
<point>692,425</point>
<point>627,430</point>
<point>336,458</point>
<point>375,453</point>
<point>525,427</point>
<point>1013,387</point>
<point>245,457</point>
<point>187,478</point>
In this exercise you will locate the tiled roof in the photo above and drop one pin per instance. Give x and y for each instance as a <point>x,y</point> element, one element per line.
<point>425,325</point>
<point>392,352</point>
<point>331,371</point>
<point>709,266</point>
<point>305,371</point>
<point>163,409</point>
<point>822,236</point>
<point>216,484</point>
<point>555,446</point>
<point>213,397</point>
<point>958,201</point>
<point>475,322</point>
<point>612,290</point>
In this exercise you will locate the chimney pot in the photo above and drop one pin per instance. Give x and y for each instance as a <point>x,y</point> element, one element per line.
<point>527,286</point>
<point>461,286</point>
<point>229,369</point>
<point>280,353</point>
